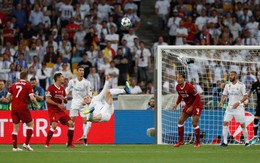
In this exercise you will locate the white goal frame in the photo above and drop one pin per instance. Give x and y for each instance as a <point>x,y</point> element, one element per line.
<point>158,76</point>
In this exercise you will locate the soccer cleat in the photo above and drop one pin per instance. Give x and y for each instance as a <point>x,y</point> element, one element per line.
<point>127,88</point>
<point>178,144</point>
<point>196,145</point>
<point>247,144</point>
<point>72,146</point>
<point>47,146</point>
<point>17,149</point>
<point>27,147</point>
<point>89,110</point>
<point>223,145</point>
<point>85,142</point>
<point>255,140</point>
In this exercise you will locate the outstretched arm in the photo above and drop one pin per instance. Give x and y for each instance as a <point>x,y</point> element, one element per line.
<point>101,95</point>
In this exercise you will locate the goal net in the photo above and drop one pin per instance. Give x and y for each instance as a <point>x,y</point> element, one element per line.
<point>207,68</point>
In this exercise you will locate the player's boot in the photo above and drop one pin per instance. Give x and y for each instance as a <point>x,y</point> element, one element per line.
<point>47,145</point>
<point>27,147</point>
<point>85,142</point>
<point>17,149</point>
<point>127,88</point>
<point>223,144</point>
<point>71,146</point>
<point>255,140</point>
<point>178,144</point>
<point>197,145</point>
<point>247,144</point>
<point>89,110</point>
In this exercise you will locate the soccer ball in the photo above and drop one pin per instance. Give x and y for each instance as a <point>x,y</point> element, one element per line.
<point>125,22</point>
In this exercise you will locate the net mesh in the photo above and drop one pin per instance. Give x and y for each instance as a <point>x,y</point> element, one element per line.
<point>207,70</point>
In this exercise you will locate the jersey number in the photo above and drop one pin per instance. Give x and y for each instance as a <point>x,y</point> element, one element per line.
<point>19,90</point>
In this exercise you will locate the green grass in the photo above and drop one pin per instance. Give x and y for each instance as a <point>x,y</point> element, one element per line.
<point>132,154</point>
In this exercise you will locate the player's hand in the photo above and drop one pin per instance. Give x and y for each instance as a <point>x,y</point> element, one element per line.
<point>236,105</point>
<point>62,98</point>
<point>62,107</point>
<point>107,77</point>
<point>189,110</point>
<point>220,105</point>
<point>174,107</point>
<point>38,107</point>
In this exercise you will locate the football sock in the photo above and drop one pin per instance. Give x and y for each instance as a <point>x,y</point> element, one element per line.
<point>197,134</point>
<point>255,126</point>
<point>86,128</point>
<point>49,136</point>
<point>245,134</point>
<point>29,132</point>
<point>225,133</point>
<point>14,137</point>
<point>181,132</point>
<point>70,135</point>
<point>116,91</point>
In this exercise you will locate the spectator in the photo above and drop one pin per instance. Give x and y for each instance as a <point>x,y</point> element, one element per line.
<point>181,34</point>
<point>156,44</point>
<point>3,93</point>
<point>162,8</point>
<point>217,93</point>
<point>218,71</point>
<point>91,39</point>
<point>51,43</point>
<point>150,88</point>
<point>126,52</point>
<point>79,41</point>
<point>252,27</point>
<point>192,30</point>
<point>121,63</point>
<point>66,13</point>
<point>32,52</point>
<point>103,10</point>
<point>35,63</point>
<point>142,85</point>
<point>42,75</point>
<point>151,104</point>
<point>92,55</point>
<point>109,52</point>
<point>143,62</point>
<point>39,94</point>
<point>32,73</point>
<point>66,72</point>
<point>71,29</point>
<point>20,16</point>
<point>249,79</point>
<point>103,66</point>
<point>248,40</point>
<point>57,66</point>
<point>102,33</point>
<point>84,8</point>
<point>12,74</point>
<point>86,64</point>
<point>65,50</point>
<point>172,24</point>
<point>134,89</point>
<point>131,5</point>
<point>235,28</point>
<point>113,38</point>
<point>36,17</point>
<point>94,79</point>
<point>8,34</point>
<point>22,62</point>
<point>201,20</point>
<point>135,20</point>
<point>130,38</point>
<point>50,56</point>
<point>113,72</point>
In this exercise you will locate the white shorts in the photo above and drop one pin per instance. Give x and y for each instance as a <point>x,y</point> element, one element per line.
<point>76,112</point>
<point>239,116</point>
<point>106,112</point>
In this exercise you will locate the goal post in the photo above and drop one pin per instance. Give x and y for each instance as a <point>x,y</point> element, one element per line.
<point>207,68</point>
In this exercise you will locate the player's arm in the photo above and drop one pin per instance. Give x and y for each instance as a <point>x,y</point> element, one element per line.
<point>177,102</point>
<point>245,97</point>
<point>7,99</point>
<point>68,88</point>
<point>40,97</point>
<point>105,88</point>
<point>50,101</point>
<point>33,99</point>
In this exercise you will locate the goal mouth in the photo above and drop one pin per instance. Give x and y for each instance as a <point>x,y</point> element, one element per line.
<point>207,68</point>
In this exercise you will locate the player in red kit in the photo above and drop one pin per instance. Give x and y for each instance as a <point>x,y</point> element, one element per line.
<point>193,107</point>
<point>55,98</point>
<point>19,94</point>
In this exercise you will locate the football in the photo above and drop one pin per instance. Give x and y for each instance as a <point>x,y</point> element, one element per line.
<point>126,22</point>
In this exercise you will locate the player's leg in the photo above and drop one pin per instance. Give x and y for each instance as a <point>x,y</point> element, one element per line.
<point>182,119</point>
<point>195,122</point>
<point>117,91</point>
<point>227,119</point>
<point>256,120</point>
<point>26,117</point>
<point>50,133</point>
<point>86,129</point>
<point>16,125</point>
<point>70,125</point>
<point>240,117</point>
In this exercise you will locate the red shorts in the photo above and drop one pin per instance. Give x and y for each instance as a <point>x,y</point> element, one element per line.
<point>59,116</point>
<point>21,115</point>
<point>196,110</point>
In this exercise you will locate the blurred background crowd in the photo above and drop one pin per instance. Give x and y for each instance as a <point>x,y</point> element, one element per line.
<point>46,36</point>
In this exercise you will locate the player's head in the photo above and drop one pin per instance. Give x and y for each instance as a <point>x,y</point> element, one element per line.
<point>151,102</point>
<point>24,75</point>
<point>88,99</point>
<point>233,76</point>
<point>80,71</point>
<point>33,81</point>
<point>58,78</point>
<point>2,84</point>
<point>181,77</point>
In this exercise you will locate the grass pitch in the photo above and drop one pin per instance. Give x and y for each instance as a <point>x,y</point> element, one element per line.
<point>132,154</point>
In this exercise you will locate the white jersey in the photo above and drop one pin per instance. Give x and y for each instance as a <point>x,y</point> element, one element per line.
<point>79,90</point>
<point>235,93</point>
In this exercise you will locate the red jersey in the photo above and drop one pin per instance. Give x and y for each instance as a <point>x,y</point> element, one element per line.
<point>188,93</point>
<point>55,93</point>
<point>20,91</point>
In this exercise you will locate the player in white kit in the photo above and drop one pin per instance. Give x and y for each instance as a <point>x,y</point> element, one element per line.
<point>80,87</point>
<point>101,107</point>
<point>236,92</point>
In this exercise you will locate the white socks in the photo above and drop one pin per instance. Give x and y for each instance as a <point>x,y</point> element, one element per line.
<point>225,133</point>
<point>116,91</point>
<point>245,135</point>
<point>86,128</point>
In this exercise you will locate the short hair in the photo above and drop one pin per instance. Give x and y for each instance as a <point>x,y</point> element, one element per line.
<point>33,79</point>
<point>233,72</point>
<point>79,66</point>
<point>23,75</point>
<point>183,74</point>
<point>56,76</point>
<point>1,80</point>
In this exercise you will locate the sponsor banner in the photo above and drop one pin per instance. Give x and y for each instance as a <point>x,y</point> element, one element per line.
<point>100,133</point>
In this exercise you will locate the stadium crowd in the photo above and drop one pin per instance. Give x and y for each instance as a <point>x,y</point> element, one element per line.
<point>46,36</point>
